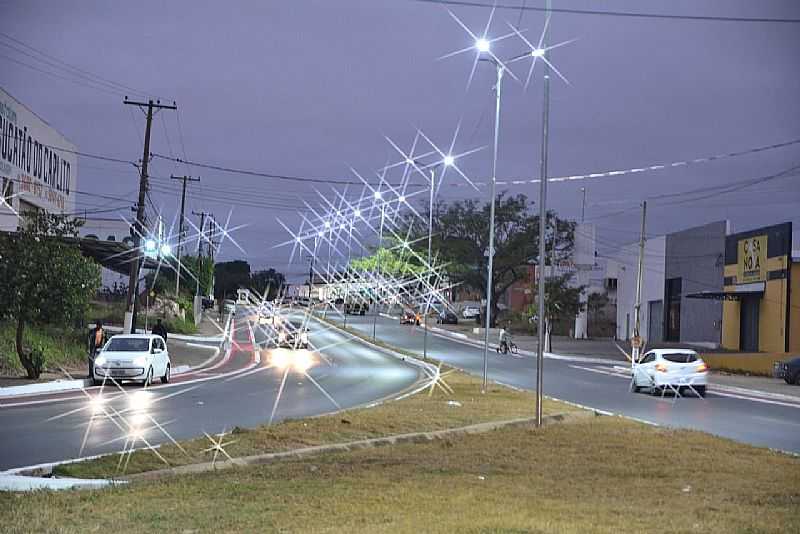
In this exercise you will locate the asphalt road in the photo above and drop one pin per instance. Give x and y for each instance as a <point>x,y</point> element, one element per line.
<point>238,391</point>
<point>758,418</point>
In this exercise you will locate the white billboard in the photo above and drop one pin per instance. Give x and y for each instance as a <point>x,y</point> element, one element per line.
<point>37,164</point>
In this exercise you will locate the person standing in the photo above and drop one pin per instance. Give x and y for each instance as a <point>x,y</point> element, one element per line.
<point>160,330</point>
<point>97,338</point>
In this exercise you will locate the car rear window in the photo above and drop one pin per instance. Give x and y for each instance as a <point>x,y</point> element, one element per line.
<point>680,357</point>
<point>127,344</point>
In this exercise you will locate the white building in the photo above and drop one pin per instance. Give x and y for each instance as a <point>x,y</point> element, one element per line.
<point>625,264</point>
<point>38,165</point>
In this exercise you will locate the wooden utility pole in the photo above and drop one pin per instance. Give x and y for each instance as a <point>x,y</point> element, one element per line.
<point>139,226</point>
<point>636,342</point>
<point>180,228</point>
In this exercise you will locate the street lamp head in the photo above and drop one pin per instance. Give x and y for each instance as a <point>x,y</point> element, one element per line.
<point>166,249</point>
<point>321,234</point>
<point>402,198</point>
<point>327,224</point>
<point>377,195</point>
<point>482,45</point>
<point>537,52</point>
<point>357,213</point>
<point>150,245</point>
<point>409,161</point>
<point>449,160</point>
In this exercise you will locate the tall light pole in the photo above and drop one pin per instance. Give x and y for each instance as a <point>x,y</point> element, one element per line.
<point>542,226</point>
<point>378,197</point>
<point>483,46</point>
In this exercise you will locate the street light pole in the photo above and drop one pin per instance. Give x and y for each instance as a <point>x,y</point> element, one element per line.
<point>542,230</point>
<point>430,268</point>
<point>498,88</point>
<point>377,269</point>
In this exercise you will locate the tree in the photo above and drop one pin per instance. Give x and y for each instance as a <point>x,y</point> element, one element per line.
<point>192,271</point>
<point>561,302</point>
<point>267,283</point>
<point>230,276</point>
<point>44,279</point>
<point>392,260</point>
<point>461,237</point>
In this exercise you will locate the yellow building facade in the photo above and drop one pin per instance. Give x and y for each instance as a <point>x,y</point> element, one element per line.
<point>761,313</point>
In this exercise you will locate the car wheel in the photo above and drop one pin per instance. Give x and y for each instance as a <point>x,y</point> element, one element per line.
<point>701,390</point>
<point>148,379</point>
<point>166,377</point>
<point>655,390</point>
<point>635,388</point>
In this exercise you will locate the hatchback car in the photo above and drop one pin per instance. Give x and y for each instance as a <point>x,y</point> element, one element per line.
<point>677,369</point>
<point>139,357</point>
<point>409,317</point>
<point>293,336</point>
<point>470,312</point>
<point>447,317</point>
<point>788,370</point>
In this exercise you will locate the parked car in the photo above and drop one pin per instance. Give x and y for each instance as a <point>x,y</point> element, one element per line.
<point>447,317</point>
<point>661,369</point>
<point>229,306</point>
<point>208,303</point>
<point>138,357</point>
<point>470,312</point>
<point>789,370</point>
<point>409,317</point>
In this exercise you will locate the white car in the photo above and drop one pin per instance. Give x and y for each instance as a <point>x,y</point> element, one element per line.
<point>470,312</point>
<point>140,357</point>
<point>665,369</point>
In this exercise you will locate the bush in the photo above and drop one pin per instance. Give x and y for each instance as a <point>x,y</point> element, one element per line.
<point>52,347</point>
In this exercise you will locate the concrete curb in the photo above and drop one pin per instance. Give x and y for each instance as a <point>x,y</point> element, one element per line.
<point>398,439</point>
<point>56,386</point>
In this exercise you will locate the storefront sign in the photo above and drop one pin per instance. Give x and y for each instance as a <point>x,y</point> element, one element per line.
<point>752,260</point>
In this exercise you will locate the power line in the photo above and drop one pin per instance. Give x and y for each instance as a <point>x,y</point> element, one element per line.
<point>630,14</point>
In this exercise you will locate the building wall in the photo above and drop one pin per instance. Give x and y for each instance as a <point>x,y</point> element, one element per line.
<point>697,257</point>
<point>794,308</point>
<point>775,302</point>
<point>626,262</point>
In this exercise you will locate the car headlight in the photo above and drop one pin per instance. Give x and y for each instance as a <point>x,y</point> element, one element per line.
<point>100,360</point>
<point>141,361</point>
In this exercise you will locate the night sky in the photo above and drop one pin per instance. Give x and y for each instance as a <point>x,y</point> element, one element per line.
<point>310,88</point>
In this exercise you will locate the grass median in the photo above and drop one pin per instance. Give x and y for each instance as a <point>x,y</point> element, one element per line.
<point>419,413</point>
<point>601,474</point>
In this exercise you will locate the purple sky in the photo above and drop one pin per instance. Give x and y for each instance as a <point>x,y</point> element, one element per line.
<point>310,88</point>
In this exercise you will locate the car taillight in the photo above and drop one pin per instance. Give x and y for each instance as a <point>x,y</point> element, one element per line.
<point>661,367</point>
<point>702,368</point>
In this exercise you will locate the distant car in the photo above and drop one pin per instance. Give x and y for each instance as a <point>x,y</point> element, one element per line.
<point>139,357</point>
<point>409,317</point>
<point>208,303</point>
<point>293,336</point>
<point>229,306</point>
<point>447,317</point>
<point>356,308</point>
<point>789,370</point>
<point>470,312</point>
<point>265,319</point>
<point>661,369</point>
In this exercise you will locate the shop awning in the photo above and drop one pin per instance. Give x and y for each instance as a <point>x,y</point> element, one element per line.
<point>756,289</point>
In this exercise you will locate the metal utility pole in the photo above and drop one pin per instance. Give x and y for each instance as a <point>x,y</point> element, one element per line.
<point>377,269</point>
<point>180,228</point>
<point>133,280</point>
<point>202,216</point>
<point>430,265</point>
<point>493,194</point>
<point>583,205</point>
<point>542,332</point>
<point>637,340</point>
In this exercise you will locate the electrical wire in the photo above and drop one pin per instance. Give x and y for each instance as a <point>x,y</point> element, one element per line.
<point>608,13</point>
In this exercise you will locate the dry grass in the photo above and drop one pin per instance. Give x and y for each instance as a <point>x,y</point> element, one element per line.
<point>596,475</point>
<point>414,414</point>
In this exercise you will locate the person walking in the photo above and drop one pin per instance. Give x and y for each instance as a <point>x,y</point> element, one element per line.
<point>160,330</point>
<point>97,338</point>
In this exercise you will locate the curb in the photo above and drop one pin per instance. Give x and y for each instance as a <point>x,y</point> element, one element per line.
<point>398,439</point>
<point>56,386</point>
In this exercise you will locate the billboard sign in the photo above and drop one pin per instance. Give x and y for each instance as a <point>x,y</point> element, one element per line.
<point>752,260</point>
<point>36,161</point>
